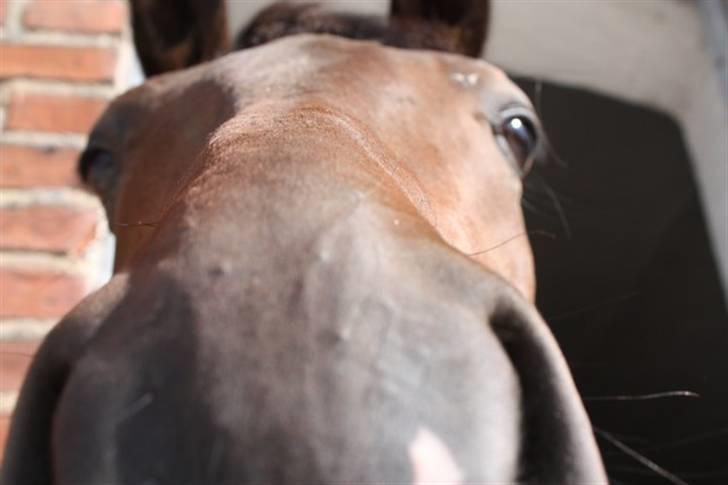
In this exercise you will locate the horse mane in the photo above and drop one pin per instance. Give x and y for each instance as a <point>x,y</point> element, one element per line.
<point>284,19</point>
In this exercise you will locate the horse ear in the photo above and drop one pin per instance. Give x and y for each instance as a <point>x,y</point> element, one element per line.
<point>469,18</point>
<point>175,34</point>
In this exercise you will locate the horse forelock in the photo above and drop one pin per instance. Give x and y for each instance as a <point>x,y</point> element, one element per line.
<point>282,20</point>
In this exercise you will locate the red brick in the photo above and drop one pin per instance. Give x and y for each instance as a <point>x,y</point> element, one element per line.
<point>91,16</point>
<point>53,113</point>
<point>26,167</point>
<point>66,63</point>
<point>37,294</point>
<point>4,428</point>
<point>15,358</point>
<point>44,228</point>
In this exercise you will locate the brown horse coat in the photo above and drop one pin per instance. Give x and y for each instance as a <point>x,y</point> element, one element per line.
<point>294,300</point>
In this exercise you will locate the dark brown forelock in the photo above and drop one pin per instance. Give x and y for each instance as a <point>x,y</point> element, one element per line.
<point>281,20</point>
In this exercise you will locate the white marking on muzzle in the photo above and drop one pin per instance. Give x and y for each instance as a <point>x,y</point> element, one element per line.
<point>432,462</point>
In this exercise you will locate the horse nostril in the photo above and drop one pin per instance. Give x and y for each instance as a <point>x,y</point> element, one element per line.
<point>558,442</point>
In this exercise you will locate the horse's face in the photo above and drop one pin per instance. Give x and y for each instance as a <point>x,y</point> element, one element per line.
<point>453,135</point>
<point>320,252</point>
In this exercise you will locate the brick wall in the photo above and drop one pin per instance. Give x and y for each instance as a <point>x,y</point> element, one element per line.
<point>60,63</point>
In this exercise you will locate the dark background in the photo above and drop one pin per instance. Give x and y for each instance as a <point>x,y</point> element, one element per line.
<point>629,284</point>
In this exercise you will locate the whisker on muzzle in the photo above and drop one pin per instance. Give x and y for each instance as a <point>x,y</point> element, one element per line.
<point>136,224</point>
<point>539,194</point>
<point>640,458</point>
<point>536,232</point>
<point>645,397</point>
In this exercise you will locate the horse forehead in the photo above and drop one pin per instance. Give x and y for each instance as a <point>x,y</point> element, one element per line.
<point>315,59</point>
<point>302,66</point>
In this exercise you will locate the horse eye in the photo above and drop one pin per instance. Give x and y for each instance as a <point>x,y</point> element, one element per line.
<point>522,138</point>
<point>95,166</point>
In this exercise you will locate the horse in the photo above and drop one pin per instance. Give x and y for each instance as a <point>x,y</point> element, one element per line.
<point>322,273</point>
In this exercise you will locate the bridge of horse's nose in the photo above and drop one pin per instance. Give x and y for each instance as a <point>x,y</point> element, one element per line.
<point>557,441</point>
